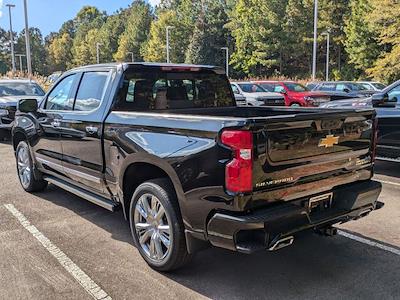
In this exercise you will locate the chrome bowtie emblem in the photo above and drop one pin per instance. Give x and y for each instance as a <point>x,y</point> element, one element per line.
<point>328,141</point>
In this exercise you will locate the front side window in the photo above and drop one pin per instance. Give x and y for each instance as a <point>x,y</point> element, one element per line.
<point>60,98</point>
<point>394,93</point>
<point>158,90</point>
<point>91,90</point>
<point>251,88</point>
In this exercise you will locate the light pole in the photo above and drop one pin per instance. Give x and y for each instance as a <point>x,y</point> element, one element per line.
<point>226,49</point>
<point>327,33</point>
<point>314,62</point>
<point>98,52</point>
<point>11,38</point>
<point>20,61</point>
<point>27,41</point>
<point>131,53</point>
<point>167,37</point>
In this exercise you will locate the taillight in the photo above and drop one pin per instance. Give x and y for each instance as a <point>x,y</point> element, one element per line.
<point>239,171</point>
<point>374,139</point>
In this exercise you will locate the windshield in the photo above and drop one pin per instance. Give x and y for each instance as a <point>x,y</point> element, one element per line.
<point>251,88</point>
<point>157,90</point>
<point>20,89</point>
<point>378,85</point>
<point>296,87</point>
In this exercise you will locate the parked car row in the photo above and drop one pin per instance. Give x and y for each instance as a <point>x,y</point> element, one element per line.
<point>271,93</point>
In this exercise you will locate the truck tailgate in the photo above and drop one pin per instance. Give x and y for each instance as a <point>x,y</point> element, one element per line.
<point>310,153</point>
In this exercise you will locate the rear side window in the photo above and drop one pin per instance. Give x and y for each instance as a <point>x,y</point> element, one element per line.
<point>91,91</point>
<point>60,98</point>
<point>159,90</point>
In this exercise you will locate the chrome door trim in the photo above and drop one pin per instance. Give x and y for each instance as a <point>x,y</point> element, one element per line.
<point>69,171</point>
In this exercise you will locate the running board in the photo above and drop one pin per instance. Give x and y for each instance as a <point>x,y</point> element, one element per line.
<point>91,197</point>
<point>388,159</point>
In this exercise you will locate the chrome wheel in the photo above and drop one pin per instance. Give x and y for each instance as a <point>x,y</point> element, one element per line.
<point>152,227</point>
<point>24,166</point>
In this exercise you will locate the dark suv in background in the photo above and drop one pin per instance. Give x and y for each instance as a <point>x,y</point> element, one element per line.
<point>339,90</point>
<point>11,91</point>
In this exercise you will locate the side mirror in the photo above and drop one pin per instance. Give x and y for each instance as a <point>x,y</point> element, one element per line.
<point>346,90</point>
<point>283,92</point>
<point>382,100</point>
<point>27,105</point>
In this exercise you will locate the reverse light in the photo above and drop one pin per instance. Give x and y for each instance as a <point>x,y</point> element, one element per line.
<point>239,171</point>
<point>3,112</point>
<point>374,139</point>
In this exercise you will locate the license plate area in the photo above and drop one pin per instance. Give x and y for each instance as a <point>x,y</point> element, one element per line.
<point>320,202</point>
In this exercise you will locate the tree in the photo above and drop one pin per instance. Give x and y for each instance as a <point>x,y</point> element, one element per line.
<point>136,32</point>
<point>209,34</point>
<point>38,50</point>
<point>5,57</point>
<point>256,26</point>
<point>385,20</point>
<point>154,49</point>
<point>87,22</point>
<point>59,50</point>
<point>110,33</point>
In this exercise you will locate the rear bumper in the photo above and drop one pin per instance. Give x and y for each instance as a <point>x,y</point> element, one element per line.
<point>262,228</point>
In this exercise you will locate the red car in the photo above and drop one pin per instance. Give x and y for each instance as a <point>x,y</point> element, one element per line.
<point>295,93</point>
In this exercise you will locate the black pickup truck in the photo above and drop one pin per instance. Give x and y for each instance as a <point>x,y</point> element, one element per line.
<point>167,144</point>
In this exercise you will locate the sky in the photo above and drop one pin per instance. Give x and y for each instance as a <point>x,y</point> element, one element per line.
<point>49,15</point>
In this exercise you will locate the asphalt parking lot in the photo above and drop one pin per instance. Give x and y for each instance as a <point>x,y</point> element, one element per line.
<point>99,244</point>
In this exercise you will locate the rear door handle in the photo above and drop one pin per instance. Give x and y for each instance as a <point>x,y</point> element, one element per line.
<point>92,129</point>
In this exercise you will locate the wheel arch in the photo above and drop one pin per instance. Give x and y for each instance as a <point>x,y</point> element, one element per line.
<point>17,137</point>
<point>143,167</point>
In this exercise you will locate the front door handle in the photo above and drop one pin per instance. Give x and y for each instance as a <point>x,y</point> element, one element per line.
<point>55,123</point>
<point>92,129</point>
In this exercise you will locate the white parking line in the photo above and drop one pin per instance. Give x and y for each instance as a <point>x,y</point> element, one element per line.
<point>369,242</point>
<point>83,279</point>
<point>388,182</point>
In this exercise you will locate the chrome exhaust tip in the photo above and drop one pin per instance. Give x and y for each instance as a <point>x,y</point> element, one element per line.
<point>282,243</point>
<point>364,213</point>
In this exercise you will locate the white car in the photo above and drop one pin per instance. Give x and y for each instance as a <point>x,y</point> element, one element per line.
<point>256,95</point>
<point>372,85</point>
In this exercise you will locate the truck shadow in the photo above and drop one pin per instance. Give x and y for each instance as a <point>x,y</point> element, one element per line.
<point>114,223</point>
<point>314,267</point>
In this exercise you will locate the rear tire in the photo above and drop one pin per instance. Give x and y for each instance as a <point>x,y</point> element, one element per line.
<point>157,227</point>
<point>25,170</point>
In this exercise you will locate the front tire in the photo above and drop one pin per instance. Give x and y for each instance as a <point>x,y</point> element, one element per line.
<point>156,226</point>
<point>26,171</point>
